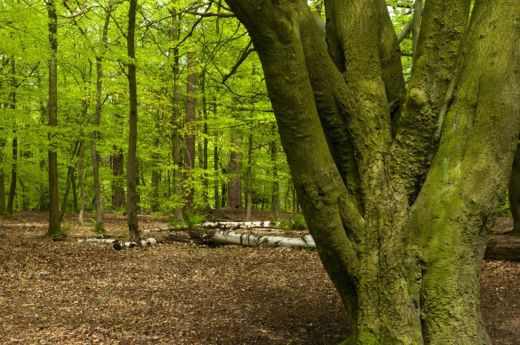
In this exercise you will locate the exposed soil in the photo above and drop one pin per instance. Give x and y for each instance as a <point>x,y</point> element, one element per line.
<point>82,293</point>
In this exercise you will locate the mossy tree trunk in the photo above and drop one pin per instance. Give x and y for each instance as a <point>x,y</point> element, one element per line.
<point>399,185</point>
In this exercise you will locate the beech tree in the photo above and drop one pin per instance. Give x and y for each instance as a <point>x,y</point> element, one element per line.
<point>398,182</point>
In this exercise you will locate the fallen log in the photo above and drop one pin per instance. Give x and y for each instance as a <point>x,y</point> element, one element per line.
<point>237,225</point>
<point>118,245</point>
<point>227,237</point>
<point>503,247</point>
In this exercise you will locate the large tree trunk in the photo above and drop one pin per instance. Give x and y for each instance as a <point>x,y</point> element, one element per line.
<point>54,229</point>
<point>131,170</point>
<point>401,235</point>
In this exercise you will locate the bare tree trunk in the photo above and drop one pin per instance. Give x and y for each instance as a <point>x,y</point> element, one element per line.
<point>98,200</point>
<point>118,193</point>
<point>216,172</point>
<point>2,176</point>
<point>54,207</point>
<point>275,195</point>
<point>249,176</point>
<point>204,160</point>
<point>234,172</point>
<point>189,153</point>
<point>156,168</point>
<point>176,117</point>
<point>70,178</point>
<point>12,106</point>
<point>131,171</point>
<point>2,161</point>
<point>74,192</point>
<point>87,77</point>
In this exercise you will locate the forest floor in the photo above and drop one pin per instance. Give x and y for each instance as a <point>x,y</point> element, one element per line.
<point>176,293</point>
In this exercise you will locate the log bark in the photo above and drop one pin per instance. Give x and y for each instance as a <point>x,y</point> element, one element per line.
<point>503,247</point>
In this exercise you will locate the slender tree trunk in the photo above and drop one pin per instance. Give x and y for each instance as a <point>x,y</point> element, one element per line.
<point>131,171</point>
<point>514,193</point>
<point>71,171</point>
<point>87,77</point>
<point>74,192</point>
<point>118,193</point>
<point>204,160</point>
<point>216,173</point>
<point>275,195</point>
<point>2,161</point>
<point>156,172</point>
<point>2,176</point>
<point>189,153</point>
<point>54,206</point>
<point>12,106</point>
<point>176,118</point>
<point>249,176</point>
<point>234,172</point>
<point>65,200</point>
<point>98,199</point>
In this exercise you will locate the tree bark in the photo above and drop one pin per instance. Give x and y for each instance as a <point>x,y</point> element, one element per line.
<point>176,117</point>
<point>205,142</point>
<point>54,229</point>
<point>249,176</point>
<point>216,166</point>
<point>189,139</point>
<point>390,178</point>
<point>118,193</point>
<point>98,200</point>
<point>87,76</point>
<point>131,170</point>
<point>275,195</point>
<point>234,170</point>
<point>12,106</point>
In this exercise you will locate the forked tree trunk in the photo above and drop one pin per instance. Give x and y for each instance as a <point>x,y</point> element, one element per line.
<point>400,234</point>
